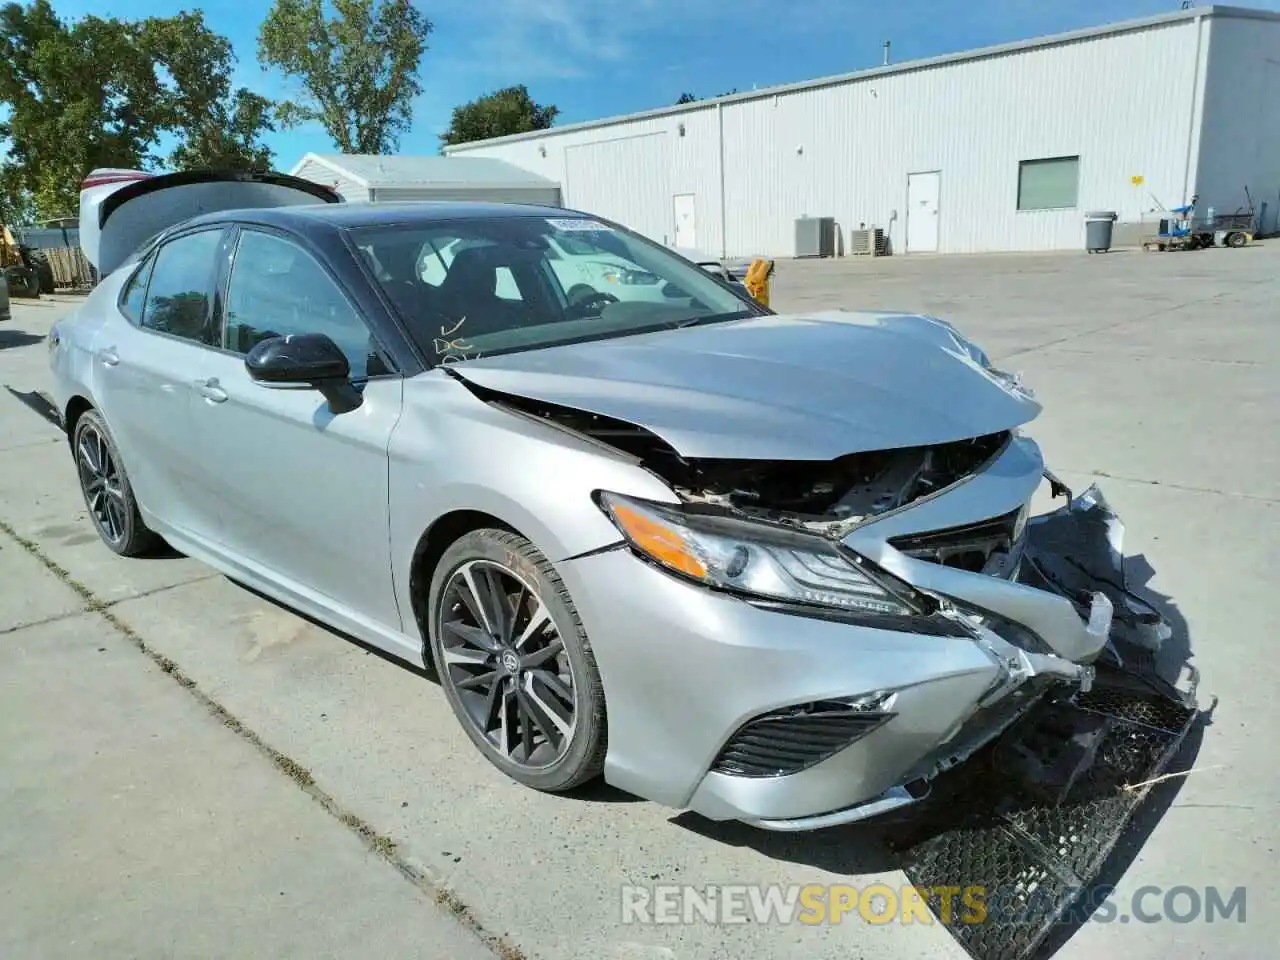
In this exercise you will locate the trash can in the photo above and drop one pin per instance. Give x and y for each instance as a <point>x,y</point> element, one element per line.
<point>1097,230</point>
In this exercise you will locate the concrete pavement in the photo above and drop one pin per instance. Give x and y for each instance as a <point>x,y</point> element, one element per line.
<point>1159,376</point>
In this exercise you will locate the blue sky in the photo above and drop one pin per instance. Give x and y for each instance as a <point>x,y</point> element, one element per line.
<point>594,58</point>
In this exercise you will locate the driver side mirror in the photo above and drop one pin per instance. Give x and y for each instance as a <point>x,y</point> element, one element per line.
<point>672,292</point>
<point>302,361</point>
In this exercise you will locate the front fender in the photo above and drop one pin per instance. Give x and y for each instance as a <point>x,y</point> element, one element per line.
<point>452,451</point>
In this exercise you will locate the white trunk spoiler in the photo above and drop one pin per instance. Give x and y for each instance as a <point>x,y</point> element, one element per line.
<point>120,210</point>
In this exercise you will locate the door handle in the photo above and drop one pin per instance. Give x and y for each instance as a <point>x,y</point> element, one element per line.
<point>108,356</point>
<point>210,390</point>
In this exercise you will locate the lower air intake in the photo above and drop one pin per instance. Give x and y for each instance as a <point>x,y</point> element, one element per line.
<point>787,741</point>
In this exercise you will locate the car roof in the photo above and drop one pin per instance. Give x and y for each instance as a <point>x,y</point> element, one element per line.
<point>306,218</point>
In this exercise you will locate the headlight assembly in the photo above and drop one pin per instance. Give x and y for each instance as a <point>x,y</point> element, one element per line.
<point>755,559</point>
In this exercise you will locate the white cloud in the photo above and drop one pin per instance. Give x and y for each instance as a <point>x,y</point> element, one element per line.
<point>519,40</point>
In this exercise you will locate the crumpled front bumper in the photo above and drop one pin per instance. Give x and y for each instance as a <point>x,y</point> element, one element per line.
<point>688,671</point>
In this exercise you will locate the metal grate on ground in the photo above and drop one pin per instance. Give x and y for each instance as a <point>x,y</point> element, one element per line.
<point>1033,821</point>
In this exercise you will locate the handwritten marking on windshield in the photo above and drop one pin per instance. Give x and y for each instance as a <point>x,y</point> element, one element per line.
<point>456,350</point>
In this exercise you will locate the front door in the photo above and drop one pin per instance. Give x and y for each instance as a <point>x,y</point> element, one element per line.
<point>923,193</point>
<point>300,492</point>
<point>685,210</point>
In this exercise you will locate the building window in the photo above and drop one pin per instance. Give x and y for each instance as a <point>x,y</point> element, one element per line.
<point>1050,184</point>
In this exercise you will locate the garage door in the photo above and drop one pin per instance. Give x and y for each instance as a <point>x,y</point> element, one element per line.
<point>626,180</point>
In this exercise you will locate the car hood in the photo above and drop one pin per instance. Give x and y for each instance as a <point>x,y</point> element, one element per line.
<point>801,387</point>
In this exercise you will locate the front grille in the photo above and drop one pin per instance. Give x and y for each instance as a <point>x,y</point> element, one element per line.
<point>970,547</point>
<point>785,742</point>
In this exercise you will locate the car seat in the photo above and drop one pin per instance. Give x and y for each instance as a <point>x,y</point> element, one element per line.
<point>469,291</point>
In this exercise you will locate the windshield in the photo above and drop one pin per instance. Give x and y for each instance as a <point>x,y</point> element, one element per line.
<point>472,288</point>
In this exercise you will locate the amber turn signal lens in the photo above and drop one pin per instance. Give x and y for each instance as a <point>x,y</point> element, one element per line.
<point>658,541</point>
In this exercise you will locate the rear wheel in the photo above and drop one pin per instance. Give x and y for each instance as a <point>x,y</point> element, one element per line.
<point>1235,240</point>
<point>105,486</point>
<point>515,662</point>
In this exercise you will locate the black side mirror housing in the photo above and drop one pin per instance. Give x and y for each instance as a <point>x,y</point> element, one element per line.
<point>302,360</point>
<point>673,292</point>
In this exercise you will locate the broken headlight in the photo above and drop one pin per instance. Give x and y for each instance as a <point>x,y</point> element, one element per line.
<point>755,559</point>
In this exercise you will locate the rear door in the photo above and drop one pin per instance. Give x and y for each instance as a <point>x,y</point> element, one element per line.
<point>299,491</point>
<point>145,363</point>
<point>122,209</point>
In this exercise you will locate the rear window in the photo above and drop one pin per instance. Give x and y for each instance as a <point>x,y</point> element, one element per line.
<point>135,292</point>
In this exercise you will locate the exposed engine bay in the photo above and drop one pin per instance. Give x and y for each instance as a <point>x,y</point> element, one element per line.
<point>843,491</point>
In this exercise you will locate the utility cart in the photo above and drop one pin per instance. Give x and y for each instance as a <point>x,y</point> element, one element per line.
<point>1233,229</point>
<point>1182,231</point>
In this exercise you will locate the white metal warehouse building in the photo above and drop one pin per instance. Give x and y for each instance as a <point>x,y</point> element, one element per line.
<point>1004,148</point>
<point>388,179</point>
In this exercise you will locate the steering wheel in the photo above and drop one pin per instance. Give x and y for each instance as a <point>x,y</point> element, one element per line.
<point>581,303</point>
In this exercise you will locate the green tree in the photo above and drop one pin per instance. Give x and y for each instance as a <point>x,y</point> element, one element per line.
<point>358,69</point>
<point>100,92</point>
<point>77,99</point>
<point>228,137</point>
<point>218,127</point>
<point>17,206</point>
<point>690,98</point>
<point>498,114</point>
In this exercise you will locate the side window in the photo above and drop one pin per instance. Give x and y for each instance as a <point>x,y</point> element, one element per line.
<point>178,299</point>
<point>277,289</point>
<point>131,303</point>
<point>505,285</point>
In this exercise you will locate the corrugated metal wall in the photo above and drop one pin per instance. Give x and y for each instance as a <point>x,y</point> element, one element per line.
<point>347,188</point>
<point>593,185</point>
<point>1240,142</point>
<point>1124,103</point>
<point>641,163</point>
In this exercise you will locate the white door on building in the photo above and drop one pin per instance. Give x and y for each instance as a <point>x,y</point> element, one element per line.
<point>923,190</point>
<point>686,220</point>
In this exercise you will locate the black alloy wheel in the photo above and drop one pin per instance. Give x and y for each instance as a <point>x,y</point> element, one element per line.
<point>107,493</point>
<point>515,663</point>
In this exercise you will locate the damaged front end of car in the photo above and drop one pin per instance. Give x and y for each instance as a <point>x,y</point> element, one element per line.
<point>1027,796</point>
<point>1045,597</point>
<point>1030,680</point>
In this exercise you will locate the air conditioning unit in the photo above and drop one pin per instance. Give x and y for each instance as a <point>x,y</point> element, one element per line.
<point>860,242</point>
<point>816,237</point>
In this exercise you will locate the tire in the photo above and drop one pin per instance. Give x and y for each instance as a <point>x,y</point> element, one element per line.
<point>22,283</point>
<point>1235,240</point>
<point>108,497</point>
<point>489,675</point>
<point>43,270</point>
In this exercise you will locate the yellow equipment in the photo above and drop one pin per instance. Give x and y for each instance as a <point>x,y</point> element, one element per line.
<point>18,274</point>
<point>757,279</point>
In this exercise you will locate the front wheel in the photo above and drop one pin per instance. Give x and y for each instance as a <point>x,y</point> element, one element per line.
<point>515,662</point>
<point>105,486</point>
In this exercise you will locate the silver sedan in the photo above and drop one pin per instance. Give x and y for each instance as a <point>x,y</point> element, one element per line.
<point>778,569</point>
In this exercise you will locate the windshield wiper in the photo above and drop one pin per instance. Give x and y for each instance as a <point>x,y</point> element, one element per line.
<point>713,318</point>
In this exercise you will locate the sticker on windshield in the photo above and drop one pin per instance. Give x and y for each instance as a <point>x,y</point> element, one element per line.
<point>586,226</point>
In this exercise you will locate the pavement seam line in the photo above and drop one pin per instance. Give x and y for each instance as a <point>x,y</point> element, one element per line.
<point>1186,488</point>
<point>43,621</point>
<point>379,844</point>
<point>1108,327</point>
